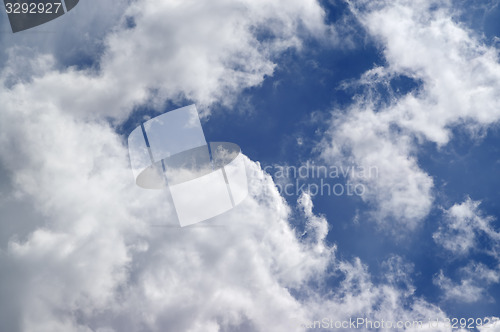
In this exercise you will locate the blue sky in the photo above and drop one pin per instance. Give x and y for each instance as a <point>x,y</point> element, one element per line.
<point>410,88</point>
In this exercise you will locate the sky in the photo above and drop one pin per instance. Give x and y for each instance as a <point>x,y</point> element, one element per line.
<point>398,100</point>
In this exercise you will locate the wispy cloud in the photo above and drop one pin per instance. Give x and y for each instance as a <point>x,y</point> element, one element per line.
<point>457,79</point>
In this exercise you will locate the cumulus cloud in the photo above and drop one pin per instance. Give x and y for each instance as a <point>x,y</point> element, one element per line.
<point>98,253</point>
<point>204,52</point>
<point>95,261</point>
<point>95,253</point>
<point>105,255</point>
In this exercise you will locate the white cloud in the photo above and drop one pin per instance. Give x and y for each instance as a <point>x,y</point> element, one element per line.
<point>92,256</point>
<point>491,325</point>
<point>400,189</point>
<point>89,256</point>
<point>206,52</point>
<point>463,224</point>
<point>94,259</point>
<point>466,291</point>
<point>357,296</point>
<point>462,227</point>
<point>459,81</point>
<point>94,249</point>
<point>472,287</point>
<point>71,38</point>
